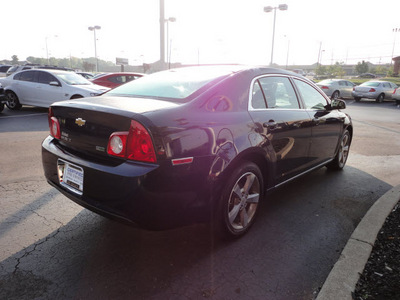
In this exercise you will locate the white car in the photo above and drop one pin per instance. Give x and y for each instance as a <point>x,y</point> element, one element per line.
<point>39,87</point>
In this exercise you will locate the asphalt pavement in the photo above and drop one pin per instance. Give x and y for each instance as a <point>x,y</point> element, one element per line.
<point>345,274</point>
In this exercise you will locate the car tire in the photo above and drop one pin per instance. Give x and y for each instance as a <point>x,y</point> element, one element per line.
<point>380,98</point>
<point>13,101</point>
<point>1,107</point>
<point>340,159</point>
<point>357,99</point>
<point>335,95</point>
<point>239,202</point>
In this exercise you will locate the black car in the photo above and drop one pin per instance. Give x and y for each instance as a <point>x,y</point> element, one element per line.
<point>2,98</point>
<point>196,144</point>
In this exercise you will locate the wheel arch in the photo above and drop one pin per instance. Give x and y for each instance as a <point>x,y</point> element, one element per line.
<point>257,156</point>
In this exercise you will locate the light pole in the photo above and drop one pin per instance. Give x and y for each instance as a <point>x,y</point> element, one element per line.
<point>171,19</point>
<point>395,30</point>
<point>268,9</point>
<point>94,28</point>
<point>47,49</point>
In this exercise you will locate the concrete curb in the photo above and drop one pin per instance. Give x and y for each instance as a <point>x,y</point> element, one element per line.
<point>345,273</point>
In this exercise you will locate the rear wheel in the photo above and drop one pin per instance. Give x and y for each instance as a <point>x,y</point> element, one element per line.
<point>239,201</point>
<point>341,157</point>
<point>1,107</point>
<point>380,98</point>
<point>12,101</point>
<point>335,95</point>
<point>357,99</point>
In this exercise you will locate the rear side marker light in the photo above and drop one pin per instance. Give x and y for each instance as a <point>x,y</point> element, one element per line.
<point>182,161</point>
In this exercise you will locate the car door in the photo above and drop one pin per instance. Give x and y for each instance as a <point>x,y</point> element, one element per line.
<point>347,89</point>
<point>285,127</point>
<point>48,89</point>
<point>23,85</point>
<point>327,125</point>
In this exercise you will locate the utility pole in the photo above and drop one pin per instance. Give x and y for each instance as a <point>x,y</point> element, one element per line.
<point>162,34</point>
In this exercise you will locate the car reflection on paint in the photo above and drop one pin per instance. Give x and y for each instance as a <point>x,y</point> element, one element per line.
<point>196,144</point>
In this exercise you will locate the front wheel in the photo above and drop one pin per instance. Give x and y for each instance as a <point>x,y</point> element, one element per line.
<point>1,107</point>
<point>13,101</point>
<point>340,159</point>
<point>239,201</point>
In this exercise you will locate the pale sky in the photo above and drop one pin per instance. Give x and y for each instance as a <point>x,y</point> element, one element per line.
<point>205,31</point>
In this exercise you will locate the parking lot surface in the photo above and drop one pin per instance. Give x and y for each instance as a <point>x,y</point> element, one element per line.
<point>52,248</point>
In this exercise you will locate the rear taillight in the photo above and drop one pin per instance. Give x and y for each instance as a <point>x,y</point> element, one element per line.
<point>372,90</point>
<point>54,125</point>
<point>325,87</point>
<point>135,144</point>
<point>394,92</point>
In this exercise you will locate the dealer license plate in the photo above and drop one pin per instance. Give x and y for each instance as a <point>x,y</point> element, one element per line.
<point>70,176</point>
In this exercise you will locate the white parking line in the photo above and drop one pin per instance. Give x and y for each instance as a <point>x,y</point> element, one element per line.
<point>20,116</point>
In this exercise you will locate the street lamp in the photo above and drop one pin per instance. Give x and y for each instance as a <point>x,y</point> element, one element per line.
<point>268,9</point>
<point>94,28</point>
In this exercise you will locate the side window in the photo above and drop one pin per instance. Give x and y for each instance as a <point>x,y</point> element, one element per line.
<point>27,76</point>
<point>278,92</point>
<point>342,83</point>
<point>311,97</point>
<point>257,99</point>
<point>46,78</point>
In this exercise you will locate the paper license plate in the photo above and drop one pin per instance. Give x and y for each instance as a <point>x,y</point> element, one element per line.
<point>71,176</point>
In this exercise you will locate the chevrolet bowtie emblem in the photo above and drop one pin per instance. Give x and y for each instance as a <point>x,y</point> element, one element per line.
<point>80,122</point>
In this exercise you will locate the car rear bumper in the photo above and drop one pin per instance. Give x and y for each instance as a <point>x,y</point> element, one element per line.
<point>136,193</point>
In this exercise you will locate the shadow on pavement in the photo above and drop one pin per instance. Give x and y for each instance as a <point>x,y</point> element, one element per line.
<point>298,236</point>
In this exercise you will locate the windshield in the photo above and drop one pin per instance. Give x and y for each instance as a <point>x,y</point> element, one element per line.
<point>371,83</point>
<point>73,78</point>
<point>173,84</point>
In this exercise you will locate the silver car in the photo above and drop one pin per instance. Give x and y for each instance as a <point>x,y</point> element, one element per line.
<point>336,88</point>
<point>374,89</point>
<point>396,96</point>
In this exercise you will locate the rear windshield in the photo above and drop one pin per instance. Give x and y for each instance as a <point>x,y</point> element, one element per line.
<point>176,84</point>
<point>326,81</point>
<point>371,83</point>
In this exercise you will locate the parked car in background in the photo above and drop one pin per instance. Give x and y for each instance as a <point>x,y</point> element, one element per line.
<point>374,89</point>
<point>17,68</point>
<point>195,144</point>
<point>367,75</point>
<point>113,80</point>
<point>396,95</point>
<point>4,69</point>
<point>40,87</point>
<point>337,88</point>
<point>86,75</point>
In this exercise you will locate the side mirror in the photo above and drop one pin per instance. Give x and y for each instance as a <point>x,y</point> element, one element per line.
<point>338,104</point>
<point>54,83</point>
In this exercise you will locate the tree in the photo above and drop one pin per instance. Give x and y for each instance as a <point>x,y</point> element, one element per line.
<point>362,67</point>
<point>336,70</point>
<point>14,60</point>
